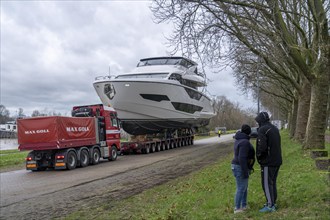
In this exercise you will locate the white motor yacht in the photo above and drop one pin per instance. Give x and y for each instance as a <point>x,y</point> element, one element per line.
<point>160,93</point>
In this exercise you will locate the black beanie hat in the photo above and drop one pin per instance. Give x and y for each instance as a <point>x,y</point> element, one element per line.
<point>246,129</point>
<point>262,117</point>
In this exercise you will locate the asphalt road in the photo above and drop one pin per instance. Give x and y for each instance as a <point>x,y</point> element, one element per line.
<point>26,194</point>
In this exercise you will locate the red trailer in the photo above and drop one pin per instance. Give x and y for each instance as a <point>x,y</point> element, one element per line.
<point>67,142</point>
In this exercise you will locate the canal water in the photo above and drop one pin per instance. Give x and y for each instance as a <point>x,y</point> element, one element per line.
<point>8,144</point>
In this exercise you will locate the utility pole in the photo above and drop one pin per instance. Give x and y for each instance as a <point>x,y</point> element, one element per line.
<point>258,94</point>
<point>258,87</point>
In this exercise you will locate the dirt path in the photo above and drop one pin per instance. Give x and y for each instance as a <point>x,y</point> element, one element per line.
<point>118,186</point>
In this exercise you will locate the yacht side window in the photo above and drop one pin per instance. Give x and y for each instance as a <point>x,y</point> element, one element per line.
<point>176,77</point>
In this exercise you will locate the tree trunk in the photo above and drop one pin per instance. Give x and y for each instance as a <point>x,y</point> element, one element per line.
<point>293,118</point>
<point>303,111</point>
<point>315,135</point>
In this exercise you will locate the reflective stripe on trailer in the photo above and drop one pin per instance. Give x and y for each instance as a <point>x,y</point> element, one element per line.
<point>112,132</point>
<point>33,165</point>
<point>60,164</point>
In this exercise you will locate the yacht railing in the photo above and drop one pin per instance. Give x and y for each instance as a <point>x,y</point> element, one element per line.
<point>99,78</point>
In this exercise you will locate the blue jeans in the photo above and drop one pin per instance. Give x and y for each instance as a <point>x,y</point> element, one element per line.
<point>241,187</point>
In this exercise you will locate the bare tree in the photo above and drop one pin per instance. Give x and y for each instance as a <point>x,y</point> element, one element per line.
<point>229,115</point>
<point>284,86</point>
<point>4,114</point>
<point>290,38</point>
<point>20,113</point>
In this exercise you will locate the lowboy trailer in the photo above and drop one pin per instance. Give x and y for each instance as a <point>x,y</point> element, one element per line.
<point>149,144</point>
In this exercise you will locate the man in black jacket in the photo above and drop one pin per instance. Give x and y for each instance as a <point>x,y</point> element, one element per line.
<point>269,156</point>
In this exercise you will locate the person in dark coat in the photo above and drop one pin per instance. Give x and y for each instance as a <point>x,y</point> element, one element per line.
<point>241,165</point>
<point>269,156</point>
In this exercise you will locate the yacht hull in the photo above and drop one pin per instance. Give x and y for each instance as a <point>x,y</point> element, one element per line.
<point>149,106</point>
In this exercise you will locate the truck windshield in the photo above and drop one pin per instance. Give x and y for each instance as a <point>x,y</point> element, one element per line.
<point>114,122</point>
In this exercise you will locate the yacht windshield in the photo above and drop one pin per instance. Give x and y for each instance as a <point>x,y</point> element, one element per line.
<point>143,76</point>
<point>165,61</point>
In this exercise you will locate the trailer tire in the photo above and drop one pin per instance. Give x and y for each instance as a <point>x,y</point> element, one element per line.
<point>163,147</point>
<point>158,147</point>
<point>147,149</point>
<point>96,156</point>
<point>153,148</point>
<point>84,158</point>
<point>167,146</point>
<point>71,161</point>
<point>113,154</point>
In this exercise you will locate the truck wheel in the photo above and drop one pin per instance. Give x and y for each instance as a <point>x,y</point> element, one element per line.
<point>84,158</point>
<point>96,156</point>
<point>71,161</point>
<point>113,154</point>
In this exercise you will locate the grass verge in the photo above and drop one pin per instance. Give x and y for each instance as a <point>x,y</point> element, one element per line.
<point>303,193</point>
<point>11,159</point>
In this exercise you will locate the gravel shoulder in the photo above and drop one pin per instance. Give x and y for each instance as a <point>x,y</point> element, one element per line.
<point>117,185</point>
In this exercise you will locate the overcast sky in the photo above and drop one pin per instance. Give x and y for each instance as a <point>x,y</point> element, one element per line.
<point>51,51</point>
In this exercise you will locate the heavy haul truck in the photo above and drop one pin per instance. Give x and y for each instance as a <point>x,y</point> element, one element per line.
<point>67,142</point>
<point>92,133</point>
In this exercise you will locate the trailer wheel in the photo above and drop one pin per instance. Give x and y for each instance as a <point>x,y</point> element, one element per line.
<point>147,150</point>
<point>158,147</point>
<point>163,147</point>
<point>167,146</point>
<point>71,161</point>
<point>96,156</point>
<point>153,148</point>
<point>84,158</point>
<point>113,154</point>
